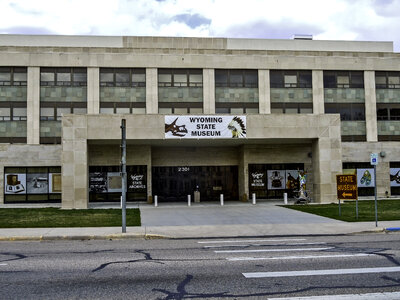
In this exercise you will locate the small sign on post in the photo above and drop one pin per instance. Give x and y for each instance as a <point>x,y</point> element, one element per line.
<point>347,189</point>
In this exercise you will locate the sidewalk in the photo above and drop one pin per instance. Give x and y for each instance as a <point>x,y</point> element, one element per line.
<point>207,220</point>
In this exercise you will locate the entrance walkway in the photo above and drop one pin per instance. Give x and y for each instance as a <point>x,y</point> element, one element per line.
<point>232,213</point>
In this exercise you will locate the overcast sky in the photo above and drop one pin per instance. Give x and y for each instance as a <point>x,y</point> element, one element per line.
<point>361,20</point>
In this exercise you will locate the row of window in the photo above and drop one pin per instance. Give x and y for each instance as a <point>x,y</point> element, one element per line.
<point>136,77</point>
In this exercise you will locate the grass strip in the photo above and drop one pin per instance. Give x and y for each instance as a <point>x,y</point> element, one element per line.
<point>56,217</point>
<point>388,210</point>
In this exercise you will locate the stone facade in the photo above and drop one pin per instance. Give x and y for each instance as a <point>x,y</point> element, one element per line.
<point>93,139</point>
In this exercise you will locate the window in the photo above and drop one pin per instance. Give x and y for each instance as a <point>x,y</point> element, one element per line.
<point>121,108</point>
<point>387,80</point>
<point>122,77</point>
<point>54,112</point>
<point>180,78</point>
<point>13,76</point>
<point>291,108</point>
<point>343,79</point>
<point>5,114</point>
<point>388,112</point>
<point>63,77</point>
<point>236,78</point>
<point>290,79</point>
<point>347,111</point>
<point>12,112</point>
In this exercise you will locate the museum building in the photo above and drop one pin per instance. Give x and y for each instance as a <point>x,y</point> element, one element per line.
<point>216,115</point>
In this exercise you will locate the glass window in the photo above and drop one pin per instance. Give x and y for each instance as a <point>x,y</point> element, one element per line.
<point>64,77</point>
<point>251,78</point>
<point>393,81</point>
<point>194,110</point>
<point>277,110</point>
<point>19,114</point>
<point>106,77</point>
<point>165,110</point>
<point>290,80</point>
<point>62,111</point>
<point>122,78</point>
<point>329,80</point>
<point>165,79</point>
<point>276,79</point>
<point>236,79</point>
<point>251,110</point>
<point>358,112</point>
<point>138,110</point>
<point>138,78</point>
<point>20,77</point>
<point>180,111</point>
<point>195,79</point>
<point>357,80</point>
<point>237,111</point>
<point>222,110</point>
<point>80,110</point>
<point>343,81</point>
<point>345,112</point>
<point>221,78</point>
<point>380,81</point>
<point>47,77</point>
<point>5,114</point>
<point>305,79</point>
<point>291,111</point>
<point>46,113</point>
<point>5,76</point>
<point>180,80</point>
<point>395,114</point>
<point>306,110</point>
<point>106,110</point>
<point>80,77</point>
<point>123,110</point>
<point>382,114</point>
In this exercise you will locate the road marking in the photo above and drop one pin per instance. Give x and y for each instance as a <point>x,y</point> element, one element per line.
<point>250,241</point>
<point>3,264</point>
<point>322,272</point>
<point>370,296</point>
<point>297,257</point>
<point>288,244</point>
<point>272,250</point>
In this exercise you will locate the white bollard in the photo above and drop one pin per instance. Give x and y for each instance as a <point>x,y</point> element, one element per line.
<point>189,200</point>
<point>254,198</point>
<point>285,198</point>
<point>121,201</point>
<point>156,201</point>
<point>221,198</point>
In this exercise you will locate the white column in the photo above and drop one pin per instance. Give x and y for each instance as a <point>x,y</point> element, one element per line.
<point>264,92</point>
<point>208,91</point>
<point>93,91</point>
<point>151,91</point>
<point>318,92</point>
<point>370,106</point>
<point>33,106</point>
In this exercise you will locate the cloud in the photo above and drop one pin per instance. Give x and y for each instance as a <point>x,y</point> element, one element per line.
<point>26,30</point>
<point>284,29</point>
<point>328,20</point>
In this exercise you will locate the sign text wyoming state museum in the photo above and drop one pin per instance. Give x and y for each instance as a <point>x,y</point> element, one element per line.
<point>196,127</point>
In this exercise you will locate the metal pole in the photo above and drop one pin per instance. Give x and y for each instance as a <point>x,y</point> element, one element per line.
<point>376,200</point>
<point>123,173</point>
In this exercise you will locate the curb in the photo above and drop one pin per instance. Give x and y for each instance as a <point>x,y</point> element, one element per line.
<point>83,237</point>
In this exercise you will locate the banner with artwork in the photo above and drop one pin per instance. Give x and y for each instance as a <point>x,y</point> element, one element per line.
<point>365,177</point>
<point>98,182</point>
<point>205,127</point>
<point>37,183</point>
<point>114,182</point>
<point>257,180</point>
<point>15,184</point>
<point>394,176</point>
<point>292,179</point>
<point>276,179</point>
<point>55,183</point>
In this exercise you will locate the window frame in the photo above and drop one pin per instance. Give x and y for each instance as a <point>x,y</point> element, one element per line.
<point>12,71</point>
<point>277,79</point>
<point>229,73</point>
<point>334,74</point>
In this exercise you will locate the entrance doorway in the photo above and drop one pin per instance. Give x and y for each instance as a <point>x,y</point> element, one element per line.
<point>175,183</point>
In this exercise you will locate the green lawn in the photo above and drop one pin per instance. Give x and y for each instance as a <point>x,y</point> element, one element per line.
<point>388,210</point>
<point>55,217</point>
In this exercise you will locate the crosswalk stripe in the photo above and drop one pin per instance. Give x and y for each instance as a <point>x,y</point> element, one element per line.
<point>322,272</point>
<point>250,241</point>
<point>297,257</point>
<point>272,250</point>
<point>286,244</point>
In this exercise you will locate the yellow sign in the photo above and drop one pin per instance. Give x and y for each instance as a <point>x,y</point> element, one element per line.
<point>346,187</point>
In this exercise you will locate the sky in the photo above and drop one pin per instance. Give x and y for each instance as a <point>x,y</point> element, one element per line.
<point>358,20</point>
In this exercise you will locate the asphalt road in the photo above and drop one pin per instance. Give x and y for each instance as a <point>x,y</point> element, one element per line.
<point>229,268</point>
